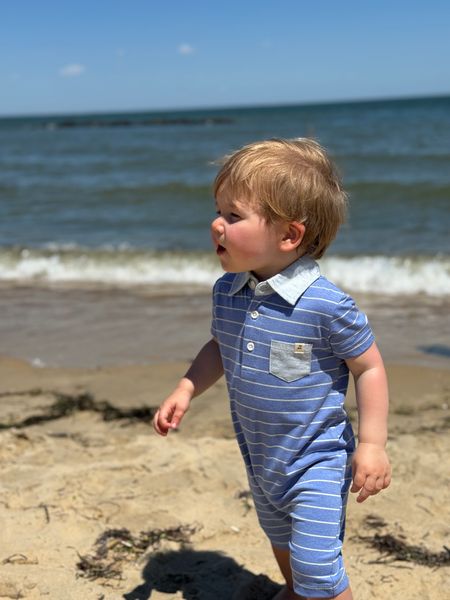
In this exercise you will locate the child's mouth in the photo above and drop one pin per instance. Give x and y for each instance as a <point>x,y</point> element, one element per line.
<point>220,250</point>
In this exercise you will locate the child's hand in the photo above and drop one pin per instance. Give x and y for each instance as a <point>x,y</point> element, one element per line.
<point>371,470</point>
<point>171,411</point>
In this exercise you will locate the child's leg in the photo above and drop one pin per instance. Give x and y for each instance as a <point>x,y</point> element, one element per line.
<point>283,559</point>
<point>307,530</point>
<point>312,564</point>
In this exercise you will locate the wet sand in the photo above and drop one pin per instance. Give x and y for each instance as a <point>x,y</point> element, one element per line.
<point>67,327</point>
<point>172,517</point>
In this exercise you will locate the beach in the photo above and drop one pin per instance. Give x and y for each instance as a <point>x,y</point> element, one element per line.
<point>106,271</point>
<point>95,505</point>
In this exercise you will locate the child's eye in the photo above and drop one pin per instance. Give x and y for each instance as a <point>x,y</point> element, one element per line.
<point>230,217</point>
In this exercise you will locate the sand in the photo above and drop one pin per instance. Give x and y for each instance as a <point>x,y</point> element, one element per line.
<point>174,513</point>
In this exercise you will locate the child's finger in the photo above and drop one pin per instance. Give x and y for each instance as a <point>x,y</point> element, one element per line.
<point>370,484</point>
<point>176,418</point>
<point>158,425</point>
<point>359,479</point>
<point>363,495</point>
<point>380,484</point>
<point>355,488</point>
<point>383,482</point>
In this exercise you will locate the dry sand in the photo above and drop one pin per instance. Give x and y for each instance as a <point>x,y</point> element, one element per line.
<point>174,513</point>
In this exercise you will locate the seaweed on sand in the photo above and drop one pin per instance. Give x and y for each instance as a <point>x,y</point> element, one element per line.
<point>67,404</point>
<point>115,547</point>
<point>396,548</point>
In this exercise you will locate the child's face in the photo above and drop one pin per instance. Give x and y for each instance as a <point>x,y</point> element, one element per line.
<point>244,240</point>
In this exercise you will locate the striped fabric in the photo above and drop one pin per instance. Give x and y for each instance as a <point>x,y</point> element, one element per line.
<point>283,343</point>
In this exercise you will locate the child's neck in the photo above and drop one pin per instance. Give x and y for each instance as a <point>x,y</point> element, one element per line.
<point>267,274</point>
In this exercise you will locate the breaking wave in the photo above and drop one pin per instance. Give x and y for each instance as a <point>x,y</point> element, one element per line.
<point>123,266</point>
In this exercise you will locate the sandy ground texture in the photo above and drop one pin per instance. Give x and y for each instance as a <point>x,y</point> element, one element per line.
<point>94,505</point>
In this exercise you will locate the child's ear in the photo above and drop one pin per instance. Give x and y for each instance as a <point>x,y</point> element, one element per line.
<point>293,236</point>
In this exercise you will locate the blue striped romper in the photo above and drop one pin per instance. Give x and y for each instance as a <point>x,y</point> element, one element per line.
<point>283,343</point>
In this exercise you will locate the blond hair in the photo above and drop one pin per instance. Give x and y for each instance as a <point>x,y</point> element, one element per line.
<point>291,180</point>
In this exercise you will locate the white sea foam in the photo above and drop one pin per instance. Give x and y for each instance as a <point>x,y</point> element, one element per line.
<point>126,267</point>
<point>107,266</point>
<point>390,275</point>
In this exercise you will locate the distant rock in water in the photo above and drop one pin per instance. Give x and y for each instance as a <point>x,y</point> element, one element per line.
<point>72,123</point>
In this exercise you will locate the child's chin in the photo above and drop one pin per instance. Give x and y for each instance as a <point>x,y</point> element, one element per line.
<point>231,269</point>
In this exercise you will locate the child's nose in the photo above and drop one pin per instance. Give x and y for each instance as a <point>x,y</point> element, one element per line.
<point>217,225</point>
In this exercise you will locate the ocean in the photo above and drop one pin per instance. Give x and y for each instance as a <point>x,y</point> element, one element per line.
<point>114,206</point>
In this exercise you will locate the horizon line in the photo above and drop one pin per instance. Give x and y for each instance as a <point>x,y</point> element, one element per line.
<point>245,106</point>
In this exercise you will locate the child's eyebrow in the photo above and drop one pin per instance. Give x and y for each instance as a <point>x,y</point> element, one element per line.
<point>233,206</point>
<point>228,205</point>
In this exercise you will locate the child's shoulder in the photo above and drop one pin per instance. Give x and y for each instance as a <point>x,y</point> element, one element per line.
<point>325,290</point>
<point>327,300</point>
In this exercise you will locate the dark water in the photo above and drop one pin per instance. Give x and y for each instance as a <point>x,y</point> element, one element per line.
<point>144,180</point>
<point>125,201</point>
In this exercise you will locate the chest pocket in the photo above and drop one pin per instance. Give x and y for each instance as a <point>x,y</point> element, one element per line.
<point>290,361</point>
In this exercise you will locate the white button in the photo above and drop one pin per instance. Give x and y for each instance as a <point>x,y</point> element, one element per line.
<point>263,288</point>
<point>250,346</point>
<point>252,284</point>
<point>254,314</point>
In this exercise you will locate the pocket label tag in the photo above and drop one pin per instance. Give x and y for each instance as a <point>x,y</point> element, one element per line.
<point>299,348</point>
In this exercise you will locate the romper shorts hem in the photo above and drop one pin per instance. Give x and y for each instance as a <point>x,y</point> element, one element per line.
<point>325,592</point>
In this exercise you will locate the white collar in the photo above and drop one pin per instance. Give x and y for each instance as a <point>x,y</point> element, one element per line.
<point>290,284</point>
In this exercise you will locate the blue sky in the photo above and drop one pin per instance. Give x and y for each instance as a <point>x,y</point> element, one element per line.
<point>78,56</point>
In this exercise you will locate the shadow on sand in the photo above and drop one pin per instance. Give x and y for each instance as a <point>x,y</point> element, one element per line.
<point>201,576</point>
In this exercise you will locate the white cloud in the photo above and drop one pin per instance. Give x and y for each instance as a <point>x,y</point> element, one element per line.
<point>185,49</point>
<point>72,70</point>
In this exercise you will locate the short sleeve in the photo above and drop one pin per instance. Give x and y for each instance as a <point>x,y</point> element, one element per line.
<point>350,332</point>
<point>213,316</point>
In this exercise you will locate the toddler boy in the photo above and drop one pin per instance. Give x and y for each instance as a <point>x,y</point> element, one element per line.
<point>286,339</point>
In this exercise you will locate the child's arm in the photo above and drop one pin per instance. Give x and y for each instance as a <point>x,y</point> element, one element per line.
<point>371,469</point>
<point>202,374</point>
